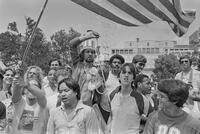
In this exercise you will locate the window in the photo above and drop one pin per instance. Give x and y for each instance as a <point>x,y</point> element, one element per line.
<point>121,51</point>
<point>143,50</point>
<point>130,51</point>
<point>152,50</point>
<point>139,50</point>
<point>126,51</point>
<point>113,51</point>
<point>148,50</point>
<point>117,51</point>
<point>157,50</point>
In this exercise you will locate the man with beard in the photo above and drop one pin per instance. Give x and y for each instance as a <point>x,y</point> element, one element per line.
<point>139,62</point>
<point>83,55</point>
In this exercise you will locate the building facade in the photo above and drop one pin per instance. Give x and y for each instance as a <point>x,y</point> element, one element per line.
<point>151,49</point>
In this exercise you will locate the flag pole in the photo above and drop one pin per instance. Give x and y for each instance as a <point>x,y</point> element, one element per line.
<point>32,35</point>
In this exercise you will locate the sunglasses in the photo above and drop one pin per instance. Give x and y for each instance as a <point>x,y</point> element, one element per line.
<point>184,61</point>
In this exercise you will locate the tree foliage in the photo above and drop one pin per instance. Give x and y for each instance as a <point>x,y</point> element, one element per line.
<point>13,45</point>
<point>10,45</point>
<point>166,66</point>
<point>60,43</point>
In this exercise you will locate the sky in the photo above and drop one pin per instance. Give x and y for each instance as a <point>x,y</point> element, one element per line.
<point>63,14</point>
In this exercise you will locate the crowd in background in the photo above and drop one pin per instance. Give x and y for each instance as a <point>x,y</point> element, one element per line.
<point>105,99</point>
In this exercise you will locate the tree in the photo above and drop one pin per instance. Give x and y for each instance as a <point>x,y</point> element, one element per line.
<point>39,51</point>
<point>60,43</point>
<point>13,45</point>
<point>13,27</point>
<point>10,44</point>
<point>166,66</point>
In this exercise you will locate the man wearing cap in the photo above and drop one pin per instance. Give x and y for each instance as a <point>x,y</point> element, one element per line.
<point>83,55</point>
<point>139,62</point>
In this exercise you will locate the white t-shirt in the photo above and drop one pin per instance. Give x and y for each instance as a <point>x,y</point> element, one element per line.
<point>48,90</point>
<point>186,78</point>
<point>125,114</point>
<point>45,81</point>
<point>52,101</point>
<point>112,83</point>
<point>29,119</point>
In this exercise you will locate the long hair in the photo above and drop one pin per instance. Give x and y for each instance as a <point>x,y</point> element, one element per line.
<point>9,90</point>
<point>132,69</point>
<point>39,75</point>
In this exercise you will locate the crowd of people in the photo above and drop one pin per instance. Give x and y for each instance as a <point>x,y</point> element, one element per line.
<point>89,99</point>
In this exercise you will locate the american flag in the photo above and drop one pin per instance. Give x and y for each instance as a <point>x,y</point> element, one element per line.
<point>141,12</point>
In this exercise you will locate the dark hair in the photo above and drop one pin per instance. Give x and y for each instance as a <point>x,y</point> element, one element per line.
<point>139,78</point>
<point>13,71</point>
<point>81,55</point>
<point>2,111</point>
<point>176,90</point>
<point>185,57</point>
<point>139,58</point>
<point>9,69</point>
<point>1,76</point>
<point>62,71</point>
<point>132,68</point>
<point>52,60</point>
<point>117,56</point>
<point>72,84</point>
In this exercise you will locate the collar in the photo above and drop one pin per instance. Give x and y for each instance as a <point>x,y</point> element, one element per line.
<point>79,106</point>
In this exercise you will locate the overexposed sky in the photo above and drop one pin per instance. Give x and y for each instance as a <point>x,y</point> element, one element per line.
<point>63,14</point>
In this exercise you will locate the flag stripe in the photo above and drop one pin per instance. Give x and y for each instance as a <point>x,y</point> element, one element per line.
<point>117,11</point>
<point>151,8</point>
<point>143,10</point>
<point>140,12</point>
<point>130,10</point>
<point>171,9</point>
<point>158,9</point>
<point>88,4</point>
<point>187,18</point>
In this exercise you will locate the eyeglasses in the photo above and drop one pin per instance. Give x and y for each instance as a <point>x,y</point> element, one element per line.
<point>184,61</point>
